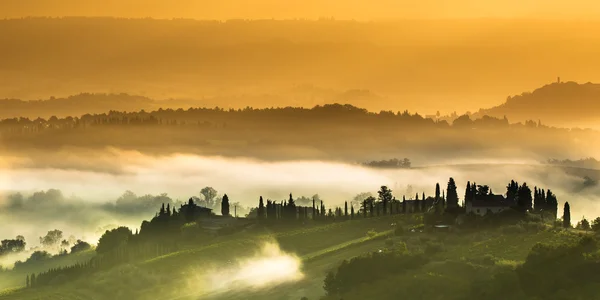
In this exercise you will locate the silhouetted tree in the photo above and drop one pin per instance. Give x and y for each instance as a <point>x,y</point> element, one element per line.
<point>584,224</point>
<point>524,200</point>
<point>114,239</point>
<point>261,209</point>
<point>209,195</point>
<point>451,195</point>
<point>551,203</point>
<point>567,215</point>
<point>351,212</point>
<point>512,190</point>
<point>225,206</point>
<point>385,196</point>
<point>403,204</point>
<point>346,209</point>
<point>437,192</point>
<point>468,197</point>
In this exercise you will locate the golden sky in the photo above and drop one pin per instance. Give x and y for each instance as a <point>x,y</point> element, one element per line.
<point>312,9</point>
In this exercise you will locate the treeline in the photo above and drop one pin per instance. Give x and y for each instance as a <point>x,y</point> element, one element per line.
<point>340,114</point>
<point>173,227</point>
<point>393,163</point>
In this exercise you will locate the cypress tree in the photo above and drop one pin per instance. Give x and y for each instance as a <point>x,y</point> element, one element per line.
<point>524,200</point>
<point>365,209</point>
<point>225,206</point>
<point>403,204</point>
<point>261,209</point>
<point>452,196</point>
<point>468,197</point>
<point>346,209</point>
<point>313,211</point>
<point>371,212</point>
<point>351,212</point>
<point>437,192</point>
<point>567,215</point>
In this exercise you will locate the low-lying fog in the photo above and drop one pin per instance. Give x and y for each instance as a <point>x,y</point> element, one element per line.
<point>77,193</point>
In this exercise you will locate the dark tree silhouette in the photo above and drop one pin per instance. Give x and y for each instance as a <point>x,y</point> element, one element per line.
<point>512,190</point>
<point>346,209</point>
<point>261,209</point>
<point>385,196</point>
<point>524,199</point>
<point>225,206</point>
<point>451,195</point>
<point>551,203</point>
<point>114,239</point>
<point>468,197</point>
<point>567,215</point>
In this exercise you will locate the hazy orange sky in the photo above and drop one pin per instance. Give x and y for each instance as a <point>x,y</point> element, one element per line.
<point>342,9</point>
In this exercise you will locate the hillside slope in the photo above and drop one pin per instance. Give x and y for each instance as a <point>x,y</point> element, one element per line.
<point>568,104</point>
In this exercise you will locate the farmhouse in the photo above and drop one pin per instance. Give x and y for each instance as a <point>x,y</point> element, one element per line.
<point>487,204</point>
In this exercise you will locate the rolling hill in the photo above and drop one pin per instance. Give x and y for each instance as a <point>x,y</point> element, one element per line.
<point>567,104</point>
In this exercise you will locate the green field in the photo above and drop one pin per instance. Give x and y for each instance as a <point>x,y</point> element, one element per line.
<point>321,247</point>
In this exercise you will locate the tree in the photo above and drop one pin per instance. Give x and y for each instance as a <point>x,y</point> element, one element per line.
<point>352,212</point>
<point>451,195</point>
<point>225,206</point>
<point>52,238</point>
<point>584,224</point>
<point>346,209</point>
<point>524,200</point>
<point>12,246</point>
<point>596,224</point>
<point>80,246</point>
<point>567,215</point>
<point>313,208</point>
<point>385,196</point>
<point>209,195</point>
<point>551,202</point>
<point>483,190</point>
<point>291,208</point>
<point>437,192</point>
<point>512,190</point>
<point>113,239</point>
<point>261,208</point>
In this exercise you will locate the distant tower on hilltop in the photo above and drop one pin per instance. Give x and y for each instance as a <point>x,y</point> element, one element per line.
<point>558,79</point>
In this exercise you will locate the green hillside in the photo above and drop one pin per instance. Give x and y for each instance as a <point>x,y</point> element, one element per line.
<point>455,261</point>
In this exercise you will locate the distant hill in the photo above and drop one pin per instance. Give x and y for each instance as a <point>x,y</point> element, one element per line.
<point>567,104</point>
<point>73,105</point>
<point>99,103</point>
